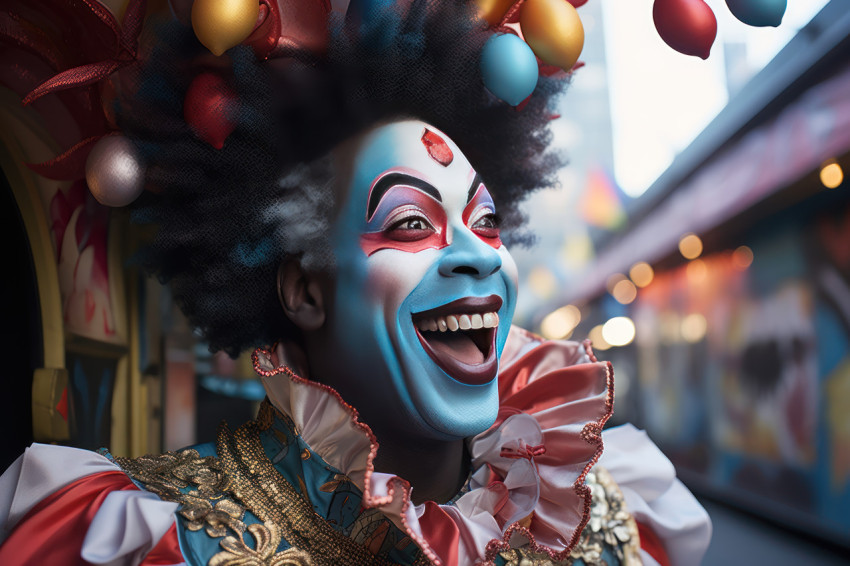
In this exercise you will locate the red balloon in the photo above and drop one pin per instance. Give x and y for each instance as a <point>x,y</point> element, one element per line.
<point>210,108</point>
<point>577,3</point>
<point>688,26</point>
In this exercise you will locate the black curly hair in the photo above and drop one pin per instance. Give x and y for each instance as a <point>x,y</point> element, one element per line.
<point>217,242</point>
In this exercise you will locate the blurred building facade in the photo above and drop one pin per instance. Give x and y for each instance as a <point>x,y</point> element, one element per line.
<point>724,302</point>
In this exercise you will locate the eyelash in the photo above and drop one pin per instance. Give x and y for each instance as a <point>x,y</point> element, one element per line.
<point>406,214</point>
<point>481,214</point>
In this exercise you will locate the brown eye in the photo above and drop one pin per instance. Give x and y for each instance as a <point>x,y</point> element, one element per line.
<point>487,226</point>
<point>410,229</point>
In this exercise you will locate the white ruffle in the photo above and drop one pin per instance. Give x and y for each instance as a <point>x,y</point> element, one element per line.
<point>39,472</point>
<point>126,527</point>
<point>546,484</point>
<point>655,497</point>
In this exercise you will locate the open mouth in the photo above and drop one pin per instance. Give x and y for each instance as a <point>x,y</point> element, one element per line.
<point>461,337</point>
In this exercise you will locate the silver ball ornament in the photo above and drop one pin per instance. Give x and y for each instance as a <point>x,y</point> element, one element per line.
<point>114,172</point>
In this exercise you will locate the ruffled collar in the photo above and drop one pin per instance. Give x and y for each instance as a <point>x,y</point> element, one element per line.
<point>529,468</point>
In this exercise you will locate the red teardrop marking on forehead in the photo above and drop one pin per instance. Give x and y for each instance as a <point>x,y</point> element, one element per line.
<point>437,148</point>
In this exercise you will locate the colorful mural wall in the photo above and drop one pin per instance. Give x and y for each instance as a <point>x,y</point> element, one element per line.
<point>743,368</point>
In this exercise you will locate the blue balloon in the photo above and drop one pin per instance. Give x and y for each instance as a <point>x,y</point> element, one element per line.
<point>758,13</point>
<point>509,68</point>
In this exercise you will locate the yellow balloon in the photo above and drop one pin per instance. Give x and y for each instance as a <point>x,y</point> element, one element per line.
<point>222,24</point>
<point>553,30</point>
<point>492,11</point>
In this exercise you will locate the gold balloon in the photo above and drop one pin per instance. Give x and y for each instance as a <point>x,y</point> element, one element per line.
<point>553,30</point>
<point>492,11</point>
<point>222,24</point>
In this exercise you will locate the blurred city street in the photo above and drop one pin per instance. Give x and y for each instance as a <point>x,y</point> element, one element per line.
<point>740,539</point>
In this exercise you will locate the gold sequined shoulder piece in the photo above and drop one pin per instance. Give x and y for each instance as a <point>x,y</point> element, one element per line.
<point>610,524</point>
<point>266,493</point>
<point>193,481</point>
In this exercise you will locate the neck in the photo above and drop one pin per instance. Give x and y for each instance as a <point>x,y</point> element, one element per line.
<point>436,470</point>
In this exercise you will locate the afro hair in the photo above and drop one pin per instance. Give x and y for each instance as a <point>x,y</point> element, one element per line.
<point>219,240</point>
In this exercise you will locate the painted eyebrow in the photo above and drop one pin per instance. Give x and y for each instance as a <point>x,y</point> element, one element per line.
<point>476,182</point>
<point>394,179</point>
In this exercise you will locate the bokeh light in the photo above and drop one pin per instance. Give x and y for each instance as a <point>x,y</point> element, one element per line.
<point>641,274</point>
<point>597,339</point>
<point>619,331</point>
<point>542,282</point>
<point>560,323</point>
<point>624,291</point>
<point>696,271</point>
<point>694,327</point>
<point>831,174</point>
<point>742,257</point>
<point>669,327</point>
<point>613,280</point>
<point>690,246</point>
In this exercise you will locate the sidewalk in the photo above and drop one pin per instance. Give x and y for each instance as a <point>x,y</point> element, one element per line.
<point>741,539</point>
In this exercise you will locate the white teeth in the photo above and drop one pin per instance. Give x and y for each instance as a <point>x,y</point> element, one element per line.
<point>456,322</point>
<point>490,320</point>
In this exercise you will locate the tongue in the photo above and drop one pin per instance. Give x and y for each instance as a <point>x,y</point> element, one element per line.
<point>458,345</point>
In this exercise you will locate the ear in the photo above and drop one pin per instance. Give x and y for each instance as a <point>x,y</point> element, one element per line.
<point>300,296</point>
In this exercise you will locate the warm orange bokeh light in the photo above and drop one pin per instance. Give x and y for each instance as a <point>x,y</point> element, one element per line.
<point>831,174</point>
<point>697,271</point>
<point>613,280</point>
<point>690,246</point>
<point>624,291</point>
<point>641,274</point>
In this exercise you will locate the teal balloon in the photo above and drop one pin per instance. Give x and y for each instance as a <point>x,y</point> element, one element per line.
<point>759,13</point>
<point>509,68</point>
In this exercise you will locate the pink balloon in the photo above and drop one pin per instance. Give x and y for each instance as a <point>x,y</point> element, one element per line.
<point>688,26</point>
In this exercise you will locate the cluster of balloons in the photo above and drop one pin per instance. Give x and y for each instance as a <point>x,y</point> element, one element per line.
<point>690,27</point>
<point>550,31</point>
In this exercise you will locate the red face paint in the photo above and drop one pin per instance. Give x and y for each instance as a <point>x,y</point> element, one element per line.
<point>437,148</point>
<point>407,220</point>
<point>479,217</point>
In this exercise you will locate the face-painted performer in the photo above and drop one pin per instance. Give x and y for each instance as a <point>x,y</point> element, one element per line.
<point>424,289</point>
<point>347,216</point>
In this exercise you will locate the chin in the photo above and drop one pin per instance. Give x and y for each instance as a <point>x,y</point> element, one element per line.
<point>453,410</point>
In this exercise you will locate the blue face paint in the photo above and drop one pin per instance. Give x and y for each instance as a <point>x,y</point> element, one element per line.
<point>395,293</point>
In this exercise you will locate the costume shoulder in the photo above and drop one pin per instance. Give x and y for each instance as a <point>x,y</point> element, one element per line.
<point>61,505</point>
<point>636,495</point>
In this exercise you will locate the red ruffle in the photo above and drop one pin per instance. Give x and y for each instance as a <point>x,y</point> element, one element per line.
<point>651,544</point>
<point>54,530</point>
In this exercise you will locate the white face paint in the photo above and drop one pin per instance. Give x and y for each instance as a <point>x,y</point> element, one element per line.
<point>425,290</point>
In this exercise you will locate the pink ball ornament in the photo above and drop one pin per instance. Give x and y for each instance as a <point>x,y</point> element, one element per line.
<point>688,26</point>
<point>114,172</point>
<point>759,13</point>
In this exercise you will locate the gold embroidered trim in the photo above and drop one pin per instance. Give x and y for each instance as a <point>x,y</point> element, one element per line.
<point>260,487</point>
<point>167,474</point>
<point>237,553</point>
<point>610,523</point>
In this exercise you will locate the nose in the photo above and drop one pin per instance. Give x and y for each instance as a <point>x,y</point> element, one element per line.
<point>468,255</point>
